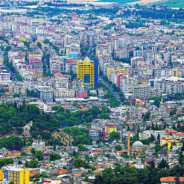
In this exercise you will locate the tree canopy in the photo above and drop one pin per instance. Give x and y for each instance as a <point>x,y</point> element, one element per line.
<point>13,118</point>
<point>129,175</point>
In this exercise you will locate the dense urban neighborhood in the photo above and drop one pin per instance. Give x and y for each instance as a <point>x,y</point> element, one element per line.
<point>91,92</point>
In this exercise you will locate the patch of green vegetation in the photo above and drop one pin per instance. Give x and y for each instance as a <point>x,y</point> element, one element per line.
<point>173,3</point>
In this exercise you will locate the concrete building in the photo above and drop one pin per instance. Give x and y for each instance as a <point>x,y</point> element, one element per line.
<point>87,70</point>
<point>142,91</point>
<point>16,175</point>
<point>170,85</point>
<point>127,83</point>
<point>46,94</point>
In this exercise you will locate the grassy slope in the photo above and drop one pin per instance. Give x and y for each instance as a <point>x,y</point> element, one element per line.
<point>173,3</point>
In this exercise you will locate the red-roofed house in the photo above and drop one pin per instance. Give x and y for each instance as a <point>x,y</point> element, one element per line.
<point>96,152</point>
<point>63,171</point>
<point>178,135</point>
<point>52,181</point>
<point>170,180</point>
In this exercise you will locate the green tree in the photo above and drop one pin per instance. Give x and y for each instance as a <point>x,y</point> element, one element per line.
<point>177,179</point>
<point>54,147</point>
<point>16,95</point>
<point>157,103</point>
<point>12,143</point>
<point>23,153</point>
<point>39,155</point>
<point>146,116</point>
<point>82,147</point>
<point>26,164</point>
<point>114,136</point>
<point>158,137</point>
<point>182,148</point>
<point>163,164</point>
<point>54,156</point>
<point>33,151</point>
<point>33,163</point>
<point>81,163</point>
<point>181,158</point>
<point>39,45</point>
<point>118,147</point>
<point>6,161</point>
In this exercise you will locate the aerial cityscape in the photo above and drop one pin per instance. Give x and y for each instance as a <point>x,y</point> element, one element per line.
<point>91,92</point>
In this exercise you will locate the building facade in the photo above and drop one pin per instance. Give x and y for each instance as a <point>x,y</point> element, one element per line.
<point>16,175</point>
<point>87,71</point>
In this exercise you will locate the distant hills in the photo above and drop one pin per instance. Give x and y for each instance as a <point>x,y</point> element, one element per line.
<point>119,1</point>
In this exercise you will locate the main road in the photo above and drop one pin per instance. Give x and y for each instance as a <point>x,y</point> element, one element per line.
<point>116,94</point>
<point>11,73</point>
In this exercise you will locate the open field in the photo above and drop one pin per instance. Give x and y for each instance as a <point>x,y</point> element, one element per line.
<point>173,3</point>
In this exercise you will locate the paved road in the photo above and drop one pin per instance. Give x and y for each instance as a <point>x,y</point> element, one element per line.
<point>116,94</point>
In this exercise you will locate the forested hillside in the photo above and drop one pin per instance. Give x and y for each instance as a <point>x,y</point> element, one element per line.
<point>13,118</point>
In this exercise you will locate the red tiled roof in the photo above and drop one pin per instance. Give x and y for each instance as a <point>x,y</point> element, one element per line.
<point>62,171</point>
<point>170,179</point>
<point>179,134</point>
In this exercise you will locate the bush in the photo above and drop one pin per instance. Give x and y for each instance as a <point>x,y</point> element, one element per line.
<point>54,156</point>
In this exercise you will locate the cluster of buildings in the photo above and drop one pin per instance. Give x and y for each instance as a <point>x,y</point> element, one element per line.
<point>57,61</point>
<point>137,64</point>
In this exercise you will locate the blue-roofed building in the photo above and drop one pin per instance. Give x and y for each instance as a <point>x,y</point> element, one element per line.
<point>73,54</point>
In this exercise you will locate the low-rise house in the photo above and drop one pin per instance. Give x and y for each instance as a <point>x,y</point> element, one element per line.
<point>170,180</point>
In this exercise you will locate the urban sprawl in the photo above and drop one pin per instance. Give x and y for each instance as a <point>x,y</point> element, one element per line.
<point>91,92</point>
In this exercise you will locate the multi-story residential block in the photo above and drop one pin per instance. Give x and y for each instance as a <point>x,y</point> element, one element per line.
<point>142,91</point>
<point>56,64</point>
<point>17,88</point>
<point>72,54</point>
<point>136,61</point>
<point>64,93</point>
<point>121,53</point>
<point>38,145</point>
<point>72,47</point>
<point>170,85</point>
<point>127,83</point>
<point>109,128</point>
<point>94,133</point>
<point>4,76</point>
<point>27,74</point>
<point>37,74</point>
<point>87,71</point>
<point>36,57</point>
<point>81,94</point>
<point>46,94</point>
<point>16,175</point>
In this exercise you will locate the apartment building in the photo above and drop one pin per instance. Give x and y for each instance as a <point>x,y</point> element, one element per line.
<point>64,93</point>
<point>170,85</point>
<point>17,88</point>
<point>142,91</point>
<point>127,83</point>
<point>46,94</point>
<point>16,175</point>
